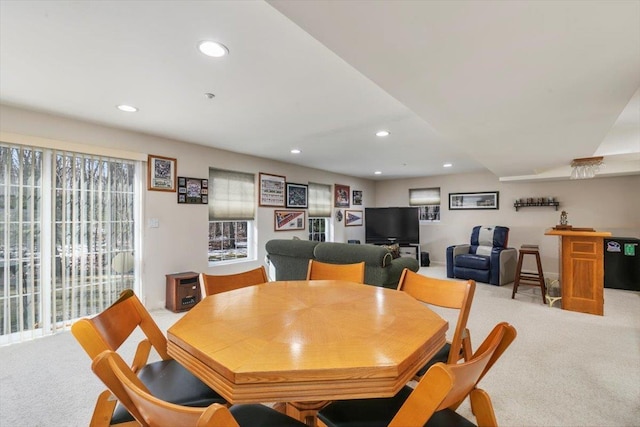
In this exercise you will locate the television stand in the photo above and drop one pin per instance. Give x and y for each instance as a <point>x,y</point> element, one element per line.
<point>411,251</point>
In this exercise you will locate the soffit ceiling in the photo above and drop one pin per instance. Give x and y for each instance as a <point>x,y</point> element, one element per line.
<point>516,88</point>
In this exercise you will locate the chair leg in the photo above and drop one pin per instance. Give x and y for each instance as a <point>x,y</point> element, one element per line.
<point>541,276</point>
<point>482,408</point>
<point>516,282</point>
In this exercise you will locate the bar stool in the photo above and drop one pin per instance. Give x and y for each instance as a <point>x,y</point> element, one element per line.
<point>529,278</point>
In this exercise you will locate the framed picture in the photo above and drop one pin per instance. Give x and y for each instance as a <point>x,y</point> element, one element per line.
<point>352,218</point>
<point>161,173</point>
<point>341,195</point>
<point>297,195</point>
<point>272,190</point>
<point>193,190</point>
<point>289,220</point>
<point>357,198</point>
<point>485,200</point>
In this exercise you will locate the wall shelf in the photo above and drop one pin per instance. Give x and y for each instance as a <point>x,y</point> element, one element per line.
<point>518,205</point>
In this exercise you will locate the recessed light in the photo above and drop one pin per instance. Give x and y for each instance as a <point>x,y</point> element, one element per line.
<point>295,151</point>
<point>213,49</point>
<point>127,108</point>
<point>382,133</point>
<point>378,173</point>
<point>447,165</point>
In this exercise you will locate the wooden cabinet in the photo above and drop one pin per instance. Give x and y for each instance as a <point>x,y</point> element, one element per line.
<point>582,270</point>
<point>183,291</point>
<point>411,251</point>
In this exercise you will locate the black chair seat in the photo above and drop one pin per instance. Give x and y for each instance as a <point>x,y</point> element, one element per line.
<point>441,356</point>
<point>380,412</point>
<point>250,415</point>
<point>168,380</point>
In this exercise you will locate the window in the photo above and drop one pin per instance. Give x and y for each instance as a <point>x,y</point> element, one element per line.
<point>428,200</point>
<point>319,211</point>
<point>67,245</point>
<point>231,215</point>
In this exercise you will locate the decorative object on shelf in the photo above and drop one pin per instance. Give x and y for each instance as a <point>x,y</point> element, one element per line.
<point>341,195</point>
<point>272,190</point>
<point>289,220</point>
<point>357,197</point>
<point>352,218</point>
<point>484,200</point>
<point>564,220</point>
<point>338,215</point>
<point>536,201</point>
<point>193,190</point>
<point>297,195</point>
<point>161,173</point>
<point>586,167</point>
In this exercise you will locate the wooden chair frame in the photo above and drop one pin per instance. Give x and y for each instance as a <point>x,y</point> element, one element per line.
<point>214,284</point>
<point>108,331</point>
<point>451,294</point>
<point>324,271</point>
<point>447,386</point>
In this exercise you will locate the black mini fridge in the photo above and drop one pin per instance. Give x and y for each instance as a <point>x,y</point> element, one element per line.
<point>622,263</point>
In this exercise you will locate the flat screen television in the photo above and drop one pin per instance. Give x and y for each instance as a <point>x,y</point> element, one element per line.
<point>392,225</point>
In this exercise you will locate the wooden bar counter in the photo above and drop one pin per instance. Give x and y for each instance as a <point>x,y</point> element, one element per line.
<point>581,269</point>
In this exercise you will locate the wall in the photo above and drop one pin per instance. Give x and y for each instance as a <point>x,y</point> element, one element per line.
<point>180,241</point>
<point>606,204</point>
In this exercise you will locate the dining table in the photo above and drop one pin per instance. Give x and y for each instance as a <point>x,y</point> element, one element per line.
<point>302,344</point>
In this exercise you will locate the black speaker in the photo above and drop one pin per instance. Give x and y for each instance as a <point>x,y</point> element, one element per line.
<point>424,259</point>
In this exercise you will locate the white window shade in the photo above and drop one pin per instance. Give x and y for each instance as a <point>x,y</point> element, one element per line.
<point>319,200</point>
<point>424,196</point>
<point>231,195</point>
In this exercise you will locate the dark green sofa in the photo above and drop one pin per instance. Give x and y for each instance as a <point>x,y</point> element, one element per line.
<point>290,259</point>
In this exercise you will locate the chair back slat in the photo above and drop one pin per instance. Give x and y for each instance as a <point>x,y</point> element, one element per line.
<point>214,284</point>
<point>325,271</point>
<point>451,294</point>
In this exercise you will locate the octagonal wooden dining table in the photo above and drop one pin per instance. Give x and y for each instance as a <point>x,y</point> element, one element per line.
<point>305,343</point>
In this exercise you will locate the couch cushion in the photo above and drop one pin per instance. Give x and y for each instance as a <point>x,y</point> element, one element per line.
<point>478,262</point>
<point>344,253</point>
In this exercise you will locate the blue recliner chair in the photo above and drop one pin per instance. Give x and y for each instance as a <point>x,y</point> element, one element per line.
<point>487,259</point>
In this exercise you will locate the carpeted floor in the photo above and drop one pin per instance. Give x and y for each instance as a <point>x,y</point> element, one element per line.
<point>564,369</point>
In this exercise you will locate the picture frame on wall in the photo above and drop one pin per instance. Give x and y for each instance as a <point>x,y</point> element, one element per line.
<point>353,218</point>
<point>341,195</point>
<point>193,190</point>
<point>288,220</point>
<point>297,195</point>
<point>356,198</point>
<point>272,190</point>
<point>483,200</point>
<point>161,173</point>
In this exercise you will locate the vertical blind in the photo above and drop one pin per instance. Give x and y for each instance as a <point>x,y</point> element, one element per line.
<point>231,195</point>
<point>319,200</point>
<point>424,196</point>
<point>65,221</point>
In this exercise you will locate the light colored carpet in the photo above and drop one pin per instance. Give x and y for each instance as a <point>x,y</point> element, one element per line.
<point>563,369</point>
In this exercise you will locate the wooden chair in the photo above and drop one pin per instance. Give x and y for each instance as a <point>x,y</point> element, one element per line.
<point>151,411</point>
<point>436,397</point>
<point>324,271</point>
<point>214,284</point>
<point>166,378</point>
<point>449,294</point>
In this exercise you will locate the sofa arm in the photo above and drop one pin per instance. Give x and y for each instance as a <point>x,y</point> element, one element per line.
<point>508,263</point>
<point>452,252</point>
<point>341,253</point>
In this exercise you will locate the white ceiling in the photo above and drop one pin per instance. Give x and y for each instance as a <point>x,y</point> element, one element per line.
<point>518,88</point>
